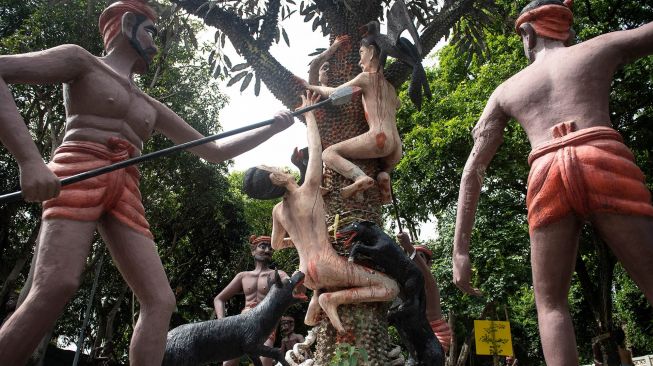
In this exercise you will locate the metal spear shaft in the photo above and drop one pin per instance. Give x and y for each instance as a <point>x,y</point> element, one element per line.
<point>340,96</point>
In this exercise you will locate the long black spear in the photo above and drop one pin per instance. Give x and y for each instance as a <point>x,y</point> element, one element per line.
<point>340,96</point>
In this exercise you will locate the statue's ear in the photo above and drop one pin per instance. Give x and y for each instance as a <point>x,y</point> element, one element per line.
<point>129,21</point>
<point>277,279</point>
<point>527,31</point>
<point>572,38</point>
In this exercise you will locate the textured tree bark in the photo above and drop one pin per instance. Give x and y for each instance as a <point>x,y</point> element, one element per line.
<point>367,322</point>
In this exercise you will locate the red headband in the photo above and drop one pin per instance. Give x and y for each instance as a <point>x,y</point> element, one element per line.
<point>256,240</point>
<point>551,21</point>
<point>111,18</point>
<point>425,250</point>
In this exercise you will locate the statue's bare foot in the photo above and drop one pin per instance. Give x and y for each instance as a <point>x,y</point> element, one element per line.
<point>331,311</point>
<point>361,183</point>
<point>383,180</point>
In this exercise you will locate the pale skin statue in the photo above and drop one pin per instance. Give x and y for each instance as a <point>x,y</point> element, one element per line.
<point>302,215</point>
<point>380,103</point>
<point>560,84</point>
<point>254,285</point>
<point>101,102</point>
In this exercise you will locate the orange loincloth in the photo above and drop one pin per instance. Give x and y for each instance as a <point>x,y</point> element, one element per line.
<point>115,193</point>
<point>584,172</point>
<point>442,332</point>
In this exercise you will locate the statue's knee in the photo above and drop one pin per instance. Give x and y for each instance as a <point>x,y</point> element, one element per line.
<point>60,290</point>
<point>162,301</point>
<point>327,154</point>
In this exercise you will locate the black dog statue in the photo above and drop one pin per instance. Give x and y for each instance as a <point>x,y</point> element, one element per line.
<point>409,317</point>
<point>231,337</point>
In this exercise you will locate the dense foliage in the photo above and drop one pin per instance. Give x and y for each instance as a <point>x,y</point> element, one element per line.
<point>437,141</point>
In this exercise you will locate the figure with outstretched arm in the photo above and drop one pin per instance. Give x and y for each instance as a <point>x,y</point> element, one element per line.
<point>380,102</point>
<point>302,215</point>
<point>107,120</point>
<point>581,171</point>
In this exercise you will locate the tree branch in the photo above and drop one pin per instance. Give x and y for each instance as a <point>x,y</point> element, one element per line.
<point>270,24</point>
<point>282,83</point>
<point>442,22</point>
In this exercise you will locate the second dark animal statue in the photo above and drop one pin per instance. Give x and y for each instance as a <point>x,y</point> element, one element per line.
<point>231,337</point>
<point>410,316</point>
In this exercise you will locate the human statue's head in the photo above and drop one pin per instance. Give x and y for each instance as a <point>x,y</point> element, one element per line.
<point>369,55</point>
<point>323,76</point>
<point>135,20</point>
<point>550,19</point>
<point>265,182</point>
<point>425,253</point>
<point>261,248</point>
<point>287,325</point>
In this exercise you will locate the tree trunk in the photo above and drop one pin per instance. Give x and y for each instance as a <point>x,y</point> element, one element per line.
<point>366,323</point>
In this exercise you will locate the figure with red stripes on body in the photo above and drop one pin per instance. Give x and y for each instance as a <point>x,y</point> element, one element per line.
<point>581,171</point>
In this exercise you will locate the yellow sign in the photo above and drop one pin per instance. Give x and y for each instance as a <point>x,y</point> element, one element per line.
<point>493,337</point>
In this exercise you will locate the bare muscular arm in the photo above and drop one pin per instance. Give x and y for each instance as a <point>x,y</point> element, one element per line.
<point>628,45</point>
<point>177,130</point>
<point>488,135</point>
<point>56,65</point>
<point>234,288</point>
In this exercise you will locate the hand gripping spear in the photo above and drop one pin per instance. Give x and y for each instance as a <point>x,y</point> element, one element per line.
<point>339,97</point>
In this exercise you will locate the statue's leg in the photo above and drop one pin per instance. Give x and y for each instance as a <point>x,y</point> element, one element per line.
<point>378,291</point>
<point>313,312</point>
<point>359,147</point>
<point>267,361</point>
<point>63,248</point>
<point>383,178</point>
<point>553,259</point>
<point>137,260</point>
<point>631,240</point>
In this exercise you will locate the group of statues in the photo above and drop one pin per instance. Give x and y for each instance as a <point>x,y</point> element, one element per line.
<point>580,172</point>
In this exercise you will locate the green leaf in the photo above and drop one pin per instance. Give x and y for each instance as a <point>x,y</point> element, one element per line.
<point>240,67</point>
<point>257,86</point>
<point>236,78</point>
<point>285,36</point>
<point>248,78</point>
<point>227,61</point>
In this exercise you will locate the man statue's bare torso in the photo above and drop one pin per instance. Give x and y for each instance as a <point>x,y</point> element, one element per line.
<point>256,285</point>
<point>566,84</point>
<point>116,108</point>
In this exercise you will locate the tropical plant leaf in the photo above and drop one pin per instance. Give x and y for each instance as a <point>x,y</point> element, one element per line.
<point>240,67</point>
<point>236,78</point>
<point>285,36</point>
<point>257,86</point>
<point>246,82</point>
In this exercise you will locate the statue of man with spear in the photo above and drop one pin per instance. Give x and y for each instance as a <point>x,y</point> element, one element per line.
<point>107,120</point>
